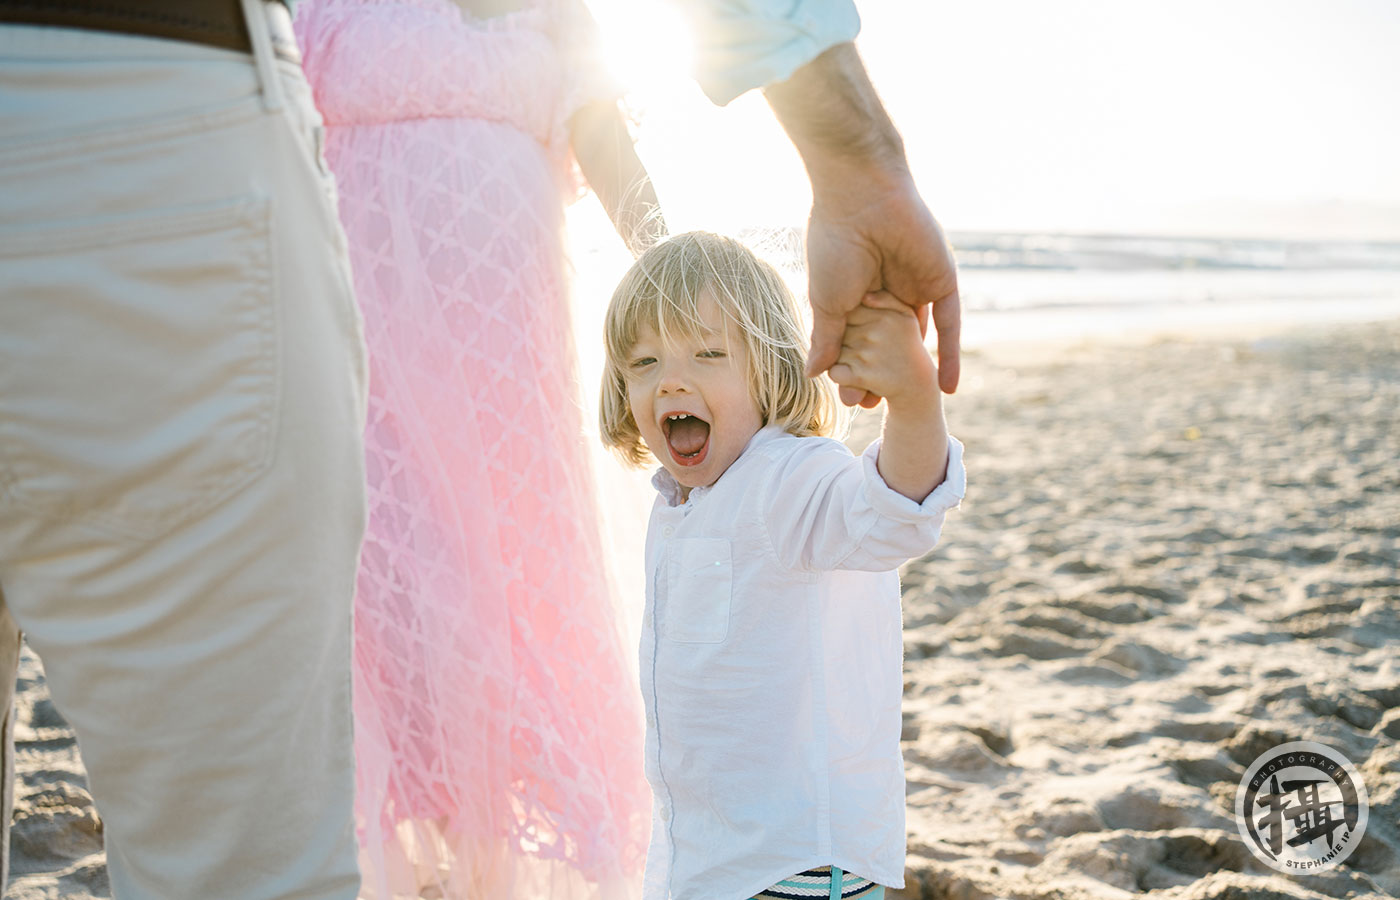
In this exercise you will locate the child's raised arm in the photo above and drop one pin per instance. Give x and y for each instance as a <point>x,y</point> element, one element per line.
<point>883,353</point>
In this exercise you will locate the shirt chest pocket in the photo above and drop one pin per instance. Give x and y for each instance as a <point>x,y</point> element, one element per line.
<point>699,588</point>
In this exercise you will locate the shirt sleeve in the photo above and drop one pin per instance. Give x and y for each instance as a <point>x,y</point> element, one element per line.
<point>829,510</point>
<point>745,44</point>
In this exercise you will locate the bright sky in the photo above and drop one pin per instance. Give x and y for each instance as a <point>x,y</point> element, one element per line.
<point>1190,117</point>
<point>1251,117</point>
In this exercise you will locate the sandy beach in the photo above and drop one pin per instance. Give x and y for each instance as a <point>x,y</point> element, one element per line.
<point>1173,555</point>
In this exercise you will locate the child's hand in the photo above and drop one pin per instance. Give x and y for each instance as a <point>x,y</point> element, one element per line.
<point>883,352</point>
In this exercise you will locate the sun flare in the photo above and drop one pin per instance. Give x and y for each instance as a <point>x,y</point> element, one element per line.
<point>644,43</point>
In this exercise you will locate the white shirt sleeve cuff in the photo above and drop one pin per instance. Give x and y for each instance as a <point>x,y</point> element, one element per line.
<point>741,46</point>
<point>888,502</point>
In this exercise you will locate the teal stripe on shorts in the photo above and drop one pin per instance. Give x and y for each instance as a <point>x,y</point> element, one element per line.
<point>824,883</point>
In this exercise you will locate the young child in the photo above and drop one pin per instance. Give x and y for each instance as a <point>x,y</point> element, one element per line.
<point>771,648</point>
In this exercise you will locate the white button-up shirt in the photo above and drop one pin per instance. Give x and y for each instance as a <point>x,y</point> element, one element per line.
<point>771,668</point>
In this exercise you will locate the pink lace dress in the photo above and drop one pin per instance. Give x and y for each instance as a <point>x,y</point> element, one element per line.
<point>498,722</point>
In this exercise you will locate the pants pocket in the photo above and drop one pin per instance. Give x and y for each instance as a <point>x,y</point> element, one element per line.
<point>138,364</point>
<point>700,591</point>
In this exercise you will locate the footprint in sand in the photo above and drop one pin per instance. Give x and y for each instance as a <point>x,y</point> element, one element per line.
<point>1127,612</point>
<point>1205,772</point>
<point>1145,661</point>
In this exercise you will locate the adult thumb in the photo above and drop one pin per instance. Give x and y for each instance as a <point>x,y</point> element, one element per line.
<point>827,331</point>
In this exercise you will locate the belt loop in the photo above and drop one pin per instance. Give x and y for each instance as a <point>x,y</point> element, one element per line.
<point>256,18</point>
<point>838,881</point>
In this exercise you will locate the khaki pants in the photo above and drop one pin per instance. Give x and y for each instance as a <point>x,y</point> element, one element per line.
<point>182,390</point>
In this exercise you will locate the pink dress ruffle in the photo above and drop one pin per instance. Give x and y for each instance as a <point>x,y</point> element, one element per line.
<point>498,722</point>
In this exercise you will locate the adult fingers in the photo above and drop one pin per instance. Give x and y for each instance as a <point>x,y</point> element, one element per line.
<point>840,269</point>
<point>920,269</point>
<point>826,342</point>
<point>947,321</point>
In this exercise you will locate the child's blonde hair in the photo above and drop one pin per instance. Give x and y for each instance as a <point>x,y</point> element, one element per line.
<point>664,288</point>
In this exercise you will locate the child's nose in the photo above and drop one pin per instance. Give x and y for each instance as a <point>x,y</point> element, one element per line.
<point>671,382</point>
<point>673,386</point>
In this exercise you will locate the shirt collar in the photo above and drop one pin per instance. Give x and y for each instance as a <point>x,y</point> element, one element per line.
<point>670,489</point>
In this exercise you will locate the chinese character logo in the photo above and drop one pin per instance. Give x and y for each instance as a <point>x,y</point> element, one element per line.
<point>1301,807</point>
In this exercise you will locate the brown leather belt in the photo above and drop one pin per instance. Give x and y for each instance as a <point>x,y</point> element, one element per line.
<point>218,23</point>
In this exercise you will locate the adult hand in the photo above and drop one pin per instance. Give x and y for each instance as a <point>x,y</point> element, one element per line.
<point>881,237</point>
<point>869,229</point>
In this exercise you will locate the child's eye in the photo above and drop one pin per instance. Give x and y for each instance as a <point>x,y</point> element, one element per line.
<point>712,354</point>
<point>642,361</point>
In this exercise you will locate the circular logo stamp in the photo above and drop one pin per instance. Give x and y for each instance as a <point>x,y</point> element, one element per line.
<point>1301,807</point>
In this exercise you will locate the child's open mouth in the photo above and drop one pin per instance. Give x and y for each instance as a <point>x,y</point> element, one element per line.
<point>687,437</point>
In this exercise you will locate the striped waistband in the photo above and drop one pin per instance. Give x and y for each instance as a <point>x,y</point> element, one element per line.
<point>824,883</point>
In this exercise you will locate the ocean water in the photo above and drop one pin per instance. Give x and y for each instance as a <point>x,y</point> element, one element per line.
<point>1018,287</point>
<point>1025,286</point>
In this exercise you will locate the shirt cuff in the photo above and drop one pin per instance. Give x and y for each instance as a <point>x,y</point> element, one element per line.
<point>741,46</point>
<point>888,502</point>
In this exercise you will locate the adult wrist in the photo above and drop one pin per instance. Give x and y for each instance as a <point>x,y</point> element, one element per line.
<point>842,188</point>
<point>833,116</point>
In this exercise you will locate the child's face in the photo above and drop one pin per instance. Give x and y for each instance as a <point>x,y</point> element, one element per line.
<point>691,399</point>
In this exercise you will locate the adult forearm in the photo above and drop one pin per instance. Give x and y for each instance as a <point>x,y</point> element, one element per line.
<point>833,116</point>
<point>869,229</point>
